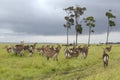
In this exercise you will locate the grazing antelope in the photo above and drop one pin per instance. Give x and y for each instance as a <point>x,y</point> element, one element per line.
<point>72,52</point>
<point>67,53</point>
<point>52,53</point>
<point>8,49</point>
<point>109,48</point>
<point>18,50</point>
<point>33,46</point>
<point>105,58</point>
<point>41,50</point>
<point>30,51</point>
<point>85,51</point>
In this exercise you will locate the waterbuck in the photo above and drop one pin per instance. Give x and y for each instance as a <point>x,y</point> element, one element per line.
<point>8,49</point>
<point>49,53</point>
<point>85,51</point>
<point>105,58</point>
<point>72,52</point>
<point>30,51</point>
<point>18,49</point>
<point>40,50</point>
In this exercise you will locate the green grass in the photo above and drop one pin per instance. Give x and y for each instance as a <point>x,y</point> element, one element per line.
<point>38,68</point>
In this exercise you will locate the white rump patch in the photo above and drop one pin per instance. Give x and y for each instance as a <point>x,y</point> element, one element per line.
<point>84,54</point>
<point>30,54</point>
<point>68,55</point>
<point>30,48</point>
<point>71,51</point>
<point>105,58</point>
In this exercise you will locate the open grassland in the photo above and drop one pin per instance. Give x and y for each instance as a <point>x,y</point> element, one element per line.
<point>38,68</point>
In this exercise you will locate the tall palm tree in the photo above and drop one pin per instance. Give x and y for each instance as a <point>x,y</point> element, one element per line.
<point>76,12</point>
<point>90,23</point>
<point>69,22</point>
<point>111,23</point>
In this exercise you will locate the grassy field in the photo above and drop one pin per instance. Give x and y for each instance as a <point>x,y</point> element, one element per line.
<point>38,68</point>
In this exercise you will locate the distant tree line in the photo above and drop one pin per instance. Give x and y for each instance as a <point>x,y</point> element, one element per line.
<point>111,43</point>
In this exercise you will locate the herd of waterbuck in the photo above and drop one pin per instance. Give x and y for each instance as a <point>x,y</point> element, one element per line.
<point>52,52</point>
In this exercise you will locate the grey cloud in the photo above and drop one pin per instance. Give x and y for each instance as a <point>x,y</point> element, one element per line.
<point>22,16</point>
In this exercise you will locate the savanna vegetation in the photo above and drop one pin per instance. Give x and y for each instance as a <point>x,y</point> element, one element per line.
<point>38,67</point>
<point>34,66</point>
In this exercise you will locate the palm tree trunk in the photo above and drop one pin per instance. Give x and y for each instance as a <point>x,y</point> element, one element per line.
<point>67,36</point>
<point>108,30</point>
<point>76,38</point>
<point>89,36</point>
<point>107,35</point>
<point>76,30</point>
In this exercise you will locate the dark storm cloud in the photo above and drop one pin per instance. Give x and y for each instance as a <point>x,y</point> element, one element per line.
<point>46,17</point>
<point>20,16</point>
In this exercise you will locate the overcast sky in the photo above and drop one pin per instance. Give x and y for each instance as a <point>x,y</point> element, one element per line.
<point>42,20</point>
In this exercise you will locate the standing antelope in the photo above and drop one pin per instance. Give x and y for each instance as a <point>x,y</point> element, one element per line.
<point>85,51</point>
<point>8,49</point>
<point>18,49</point>
<point>30,51</point>
<point>40,50</point>
<point>49,53</point>
<point>72,52</point>
<point>67,53</point>
<point>105,58</point>
<point>33,47</point>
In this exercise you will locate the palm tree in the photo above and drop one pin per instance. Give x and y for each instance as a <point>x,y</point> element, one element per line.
<point>76,12</point>
<point>111,23</point>
<point>69,22</point>
<point>90,23</point>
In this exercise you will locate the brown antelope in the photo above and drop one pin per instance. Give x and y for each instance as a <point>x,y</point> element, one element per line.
<point>109,48</point>
<point>40,50</point>
<point>51,53</point>
<point>30,51</point>
<point>67,53</point>
<point>33,46</point>
<point>105,58</point>
<point>85,51</point>
<point>18,50</point>
<point>72,52</point>
<point>8,49</point>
